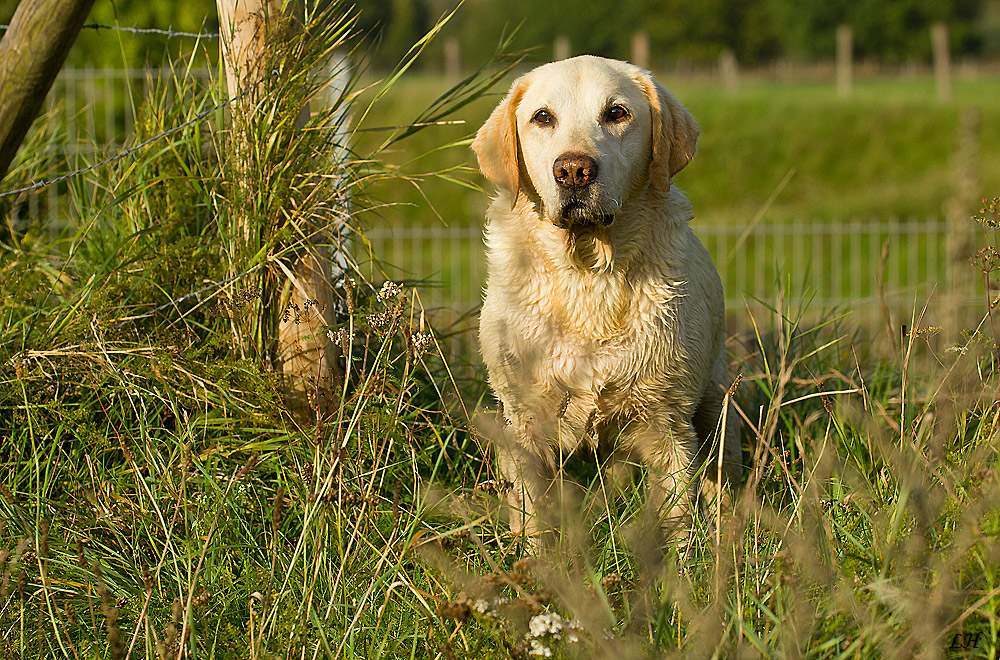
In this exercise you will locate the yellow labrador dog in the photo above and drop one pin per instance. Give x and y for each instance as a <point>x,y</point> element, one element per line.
<point>603,324</point>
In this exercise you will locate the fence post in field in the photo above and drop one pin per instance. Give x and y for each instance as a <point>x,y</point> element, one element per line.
<point>845,61</point>
<point>962,231</point>
<point>640,49</point>
<point>452,60</point>
<point>561,49</point>
<point>32,51</point>
<point>730,72</point>
<point>942,60</point>
<point>297,298</point>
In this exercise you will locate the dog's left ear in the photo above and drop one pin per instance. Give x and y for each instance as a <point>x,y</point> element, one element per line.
<point>496,143</point>
<point>675,134</point>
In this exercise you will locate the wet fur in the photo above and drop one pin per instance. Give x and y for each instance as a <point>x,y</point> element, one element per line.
<point>601,335</point>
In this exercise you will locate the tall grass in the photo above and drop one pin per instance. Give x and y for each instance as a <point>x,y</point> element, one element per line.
<point>159,500</point>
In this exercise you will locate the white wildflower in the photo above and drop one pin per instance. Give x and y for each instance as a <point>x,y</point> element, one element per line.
<point>537,648</point>
<point>489,607</point>
<point>546,623</point>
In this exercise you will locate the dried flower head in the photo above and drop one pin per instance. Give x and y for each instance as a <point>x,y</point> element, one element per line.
<point>422,341</point>
<point>349,285</point>
<point>43,544</point>
<point>80,559</point>
<point>201,599</point>
<point>276,512</point>
<point>380,321</point>
<point>344,340</point>
<point>611,581</point>
<point>455,609</point>
<point>499,487</point>
<point>989,215</point>
<point>389,291</point>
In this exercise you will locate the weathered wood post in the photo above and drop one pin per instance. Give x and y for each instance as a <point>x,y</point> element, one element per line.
<point>561,49</point>
<point>845,61</point>
<point>942,60</point>
<point>640,49</point>
<point>730,72</point>
<point>307,356</point>
<point>960,274</point>
<point>31,53</point>
<point>452,60</point>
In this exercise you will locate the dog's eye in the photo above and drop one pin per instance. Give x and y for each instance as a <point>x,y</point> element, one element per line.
<point>616,113</point>
<point>543,118</point>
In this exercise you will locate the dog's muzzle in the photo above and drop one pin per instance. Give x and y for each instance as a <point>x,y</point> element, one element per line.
<point>575,172</point>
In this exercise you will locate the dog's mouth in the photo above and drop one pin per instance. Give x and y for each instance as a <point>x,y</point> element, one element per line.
<point>577,214</point>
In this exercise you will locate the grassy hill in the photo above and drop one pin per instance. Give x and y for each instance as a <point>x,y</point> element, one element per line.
<point>889,151</point>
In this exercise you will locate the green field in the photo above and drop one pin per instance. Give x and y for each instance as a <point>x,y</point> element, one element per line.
<point>824,182</point>
<point>889,151</point>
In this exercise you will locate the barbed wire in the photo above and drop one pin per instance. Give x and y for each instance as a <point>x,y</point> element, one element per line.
<point>169,33</point>
<point>126,152</point>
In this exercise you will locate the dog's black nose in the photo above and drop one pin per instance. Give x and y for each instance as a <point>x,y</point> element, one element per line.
<point>574,170</point>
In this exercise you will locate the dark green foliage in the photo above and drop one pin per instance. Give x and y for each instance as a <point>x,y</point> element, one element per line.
<point>758,31</point>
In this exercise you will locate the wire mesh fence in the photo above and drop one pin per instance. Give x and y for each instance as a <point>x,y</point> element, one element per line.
<point>94,111</point>
<point>830,263</point>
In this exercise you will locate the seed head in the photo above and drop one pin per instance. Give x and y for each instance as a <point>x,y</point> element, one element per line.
<point>389,291</point>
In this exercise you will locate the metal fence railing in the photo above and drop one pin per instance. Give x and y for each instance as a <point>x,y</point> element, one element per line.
<point>828,264</point>
<point>831,263</point>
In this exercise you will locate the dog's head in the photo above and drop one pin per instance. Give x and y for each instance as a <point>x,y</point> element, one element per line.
<point>583,135</point>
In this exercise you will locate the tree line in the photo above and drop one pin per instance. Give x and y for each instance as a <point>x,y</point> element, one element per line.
<point>694,31</point>
<point>691,31</point>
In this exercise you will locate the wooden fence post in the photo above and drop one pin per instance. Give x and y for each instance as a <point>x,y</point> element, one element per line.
<point>942,60</point>
<point>960,274</point>
<point>845,61</point>
<point>561,48</point>
<point>640,49</point>
<point>730,72</point>
<point>307,355</point>
<point>31,53</point>
<point>452,60</point>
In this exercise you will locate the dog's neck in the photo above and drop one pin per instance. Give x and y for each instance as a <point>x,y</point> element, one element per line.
<point>592,247</point>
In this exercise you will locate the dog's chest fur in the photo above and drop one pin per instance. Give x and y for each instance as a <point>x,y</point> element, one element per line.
<point>578,334</point>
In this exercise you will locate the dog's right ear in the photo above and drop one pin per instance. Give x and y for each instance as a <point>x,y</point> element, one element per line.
<point>496,143</point>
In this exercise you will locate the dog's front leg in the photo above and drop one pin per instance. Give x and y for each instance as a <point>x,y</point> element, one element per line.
<point>530,473</point>
<point>669,449</point>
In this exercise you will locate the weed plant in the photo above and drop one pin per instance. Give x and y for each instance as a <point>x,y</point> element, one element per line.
<point>159,500</point>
